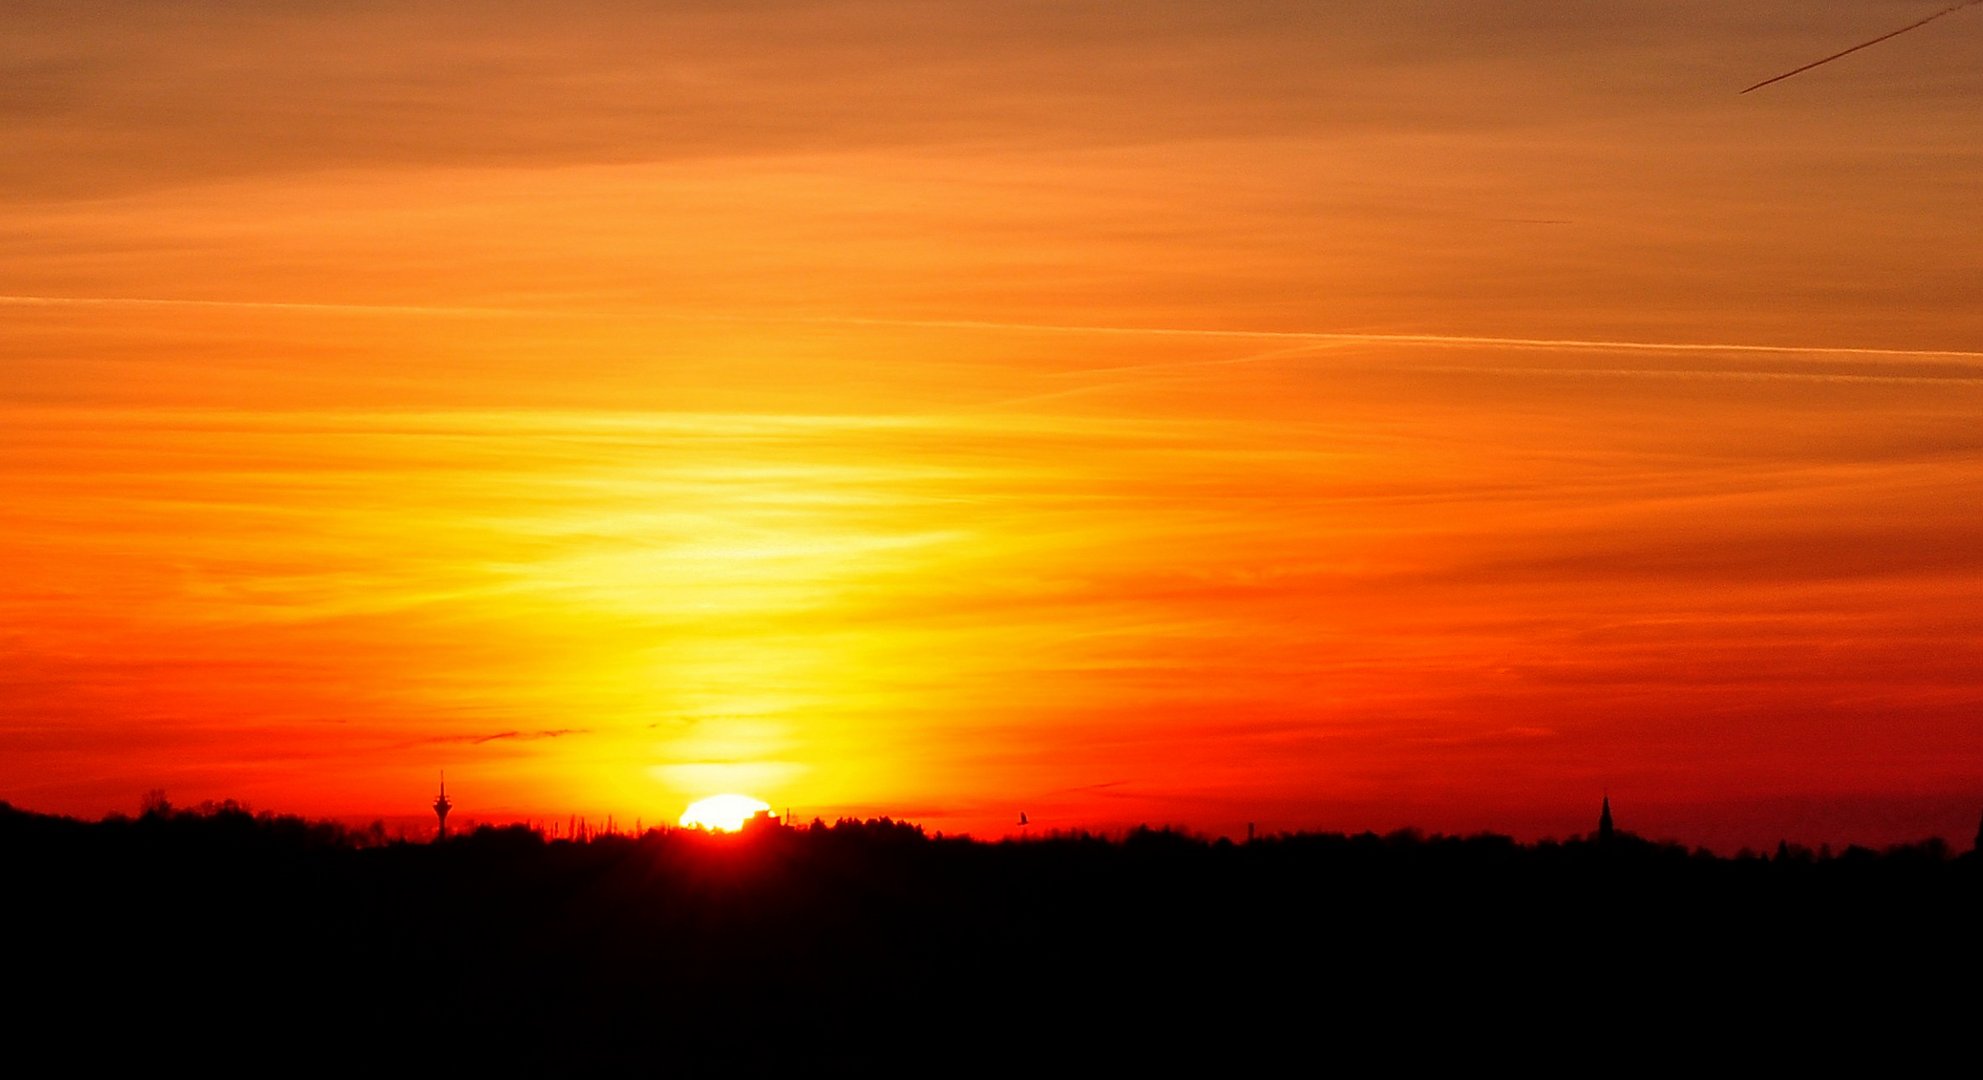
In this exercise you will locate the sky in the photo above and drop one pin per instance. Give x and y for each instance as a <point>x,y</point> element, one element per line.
<point>1344,415</point>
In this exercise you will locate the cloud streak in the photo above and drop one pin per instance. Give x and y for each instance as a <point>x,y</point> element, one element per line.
<point>1369,382</point>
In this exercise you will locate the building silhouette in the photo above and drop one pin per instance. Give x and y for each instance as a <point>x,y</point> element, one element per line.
<point>442,806</point>
<point>1604,829</point>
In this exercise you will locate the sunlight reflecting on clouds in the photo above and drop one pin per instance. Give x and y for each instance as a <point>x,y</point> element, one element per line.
<point>1264,405</point>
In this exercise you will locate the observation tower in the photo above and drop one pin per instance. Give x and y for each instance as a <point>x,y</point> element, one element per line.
<point>442,806</point>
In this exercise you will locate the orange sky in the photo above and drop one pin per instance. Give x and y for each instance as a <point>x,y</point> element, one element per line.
<point>1344,416</point>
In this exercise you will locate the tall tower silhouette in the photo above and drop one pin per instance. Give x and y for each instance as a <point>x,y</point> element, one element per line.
<point>442,806</point>
<point>1604,830</point>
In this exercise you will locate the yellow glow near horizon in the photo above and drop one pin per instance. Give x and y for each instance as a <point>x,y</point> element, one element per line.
<point>722,813</point>
<point>1126,420</point>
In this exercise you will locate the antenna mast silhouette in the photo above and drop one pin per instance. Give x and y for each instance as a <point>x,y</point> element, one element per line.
<point>442,806</point>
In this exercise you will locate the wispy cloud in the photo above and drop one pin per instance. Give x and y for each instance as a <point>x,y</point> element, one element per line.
<point>520,736</point>
<point>905,403</point>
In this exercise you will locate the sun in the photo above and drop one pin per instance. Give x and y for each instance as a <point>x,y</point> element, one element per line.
<point>722,813</point>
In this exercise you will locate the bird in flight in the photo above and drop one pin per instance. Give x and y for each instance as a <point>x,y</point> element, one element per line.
<point>1890,34</point>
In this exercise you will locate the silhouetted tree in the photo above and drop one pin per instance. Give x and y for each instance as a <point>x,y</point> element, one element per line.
<point>687,943</point>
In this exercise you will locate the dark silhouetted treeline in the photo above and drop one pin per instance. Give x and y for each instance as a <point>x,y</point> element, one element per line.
<point>233,943</point>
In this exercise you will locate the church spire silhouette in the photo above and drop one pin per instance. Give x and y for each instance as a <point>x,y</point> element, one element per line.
<point>442,806</point>
<point>1604,829</point>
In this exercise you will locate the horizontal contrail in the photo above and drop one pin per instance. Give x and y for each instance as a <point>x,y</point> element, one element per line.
<point>1963,377</point>
<point>1861,45</point>
<point>1743,375</point>
<point>266,305</point>
<point>1315,336</point>
<point>1456,340</point>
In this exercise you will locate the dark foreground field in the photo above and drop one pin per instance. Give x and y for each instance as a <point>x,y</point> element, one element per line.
<point>234,944</point>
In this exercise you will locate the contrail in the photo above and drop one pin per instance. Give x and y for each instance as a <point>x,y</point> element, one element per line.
<point>265,305</point>
<point>1731,375</point>
<point>1314,337</point>
<point>1351,337</point>
<point>1863,44</point>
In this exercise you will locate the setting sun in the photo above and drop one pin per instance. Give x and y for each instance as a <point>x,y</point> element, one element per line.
<point>1268,415</point>
<point>722,813</point>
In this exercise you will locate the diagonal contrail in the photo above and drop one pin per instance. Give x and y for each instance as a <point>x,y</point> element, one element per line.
<point>1863,44</point>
